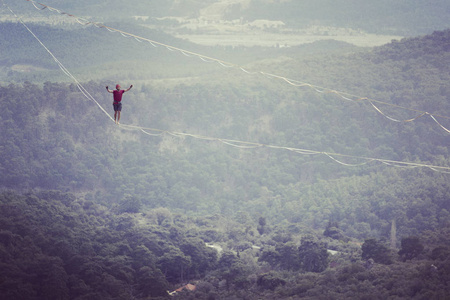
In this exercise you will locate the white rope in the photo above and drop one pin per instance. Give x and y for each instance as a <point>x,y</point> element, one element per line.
<point>206,60</point>
<point>185,54</point>
<point>448,131</point>
<point>245,71</point>
<point>239,146</point>
<point>82,22</point>
<point>332,156</point>
<point>199,137</point>
<point>289,81</point>
<point>345,98</point>
<point>346,164</point>
<point>225,65</point>
<point>383,114</point>
<point>398,165</point>
<point>300,84</point>
<point>53,9</point>
<point>38,7</point>
<point>61,66</point>
<point>152,134</point>
<point>440,171</point>
<point>305,152</point>
<point>176,134</point>
<point>243,145</point>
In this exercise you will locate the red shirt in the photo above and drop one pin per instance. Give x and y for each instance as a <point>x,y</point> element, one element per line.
<point>118,95</point>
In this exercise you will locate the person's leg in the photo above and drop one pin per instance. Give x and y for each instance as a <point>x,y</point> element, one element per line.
<point>115,113</point>
<point>119,109</point>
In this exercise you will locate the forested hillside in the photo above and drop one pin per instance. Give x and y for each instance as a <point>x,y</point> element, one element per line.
<point>91,210</point>
<point>56,245</point>
<point>82,48</point>
<point>96,54</point>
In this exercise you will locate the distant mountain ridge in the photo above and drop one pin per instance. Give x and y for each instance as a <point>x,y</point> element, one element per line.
<point>406,18</point>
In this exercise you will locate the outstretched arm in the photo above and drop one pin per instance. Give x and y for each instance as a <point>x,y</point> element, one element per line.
<point>109,91</point>
<point>129,88</point>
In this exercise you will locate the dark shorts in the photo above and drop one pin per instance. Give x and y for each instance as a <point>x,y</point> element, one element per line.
<point>117,106</point>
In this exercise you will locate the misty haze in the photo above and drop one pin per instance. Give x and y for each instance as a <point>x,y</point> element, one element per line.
<point>224,149</point>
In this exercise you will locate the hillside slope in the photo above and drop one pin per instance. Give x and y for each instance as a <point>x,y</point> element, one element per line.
<point>59,127</point>
<point>92,210</point>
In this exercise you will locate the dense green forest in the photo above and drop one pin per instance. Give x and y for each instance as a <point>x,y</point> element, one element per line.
<point>56,245</point>
<point>91,210</point>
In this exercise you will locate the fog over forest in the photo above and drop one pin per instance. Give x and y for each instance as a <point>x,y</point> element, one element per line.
<point>267,149</point>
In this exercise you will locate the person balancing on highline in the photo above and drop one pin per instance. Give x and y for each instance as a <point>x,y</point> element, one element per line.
<point>117,94</point>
